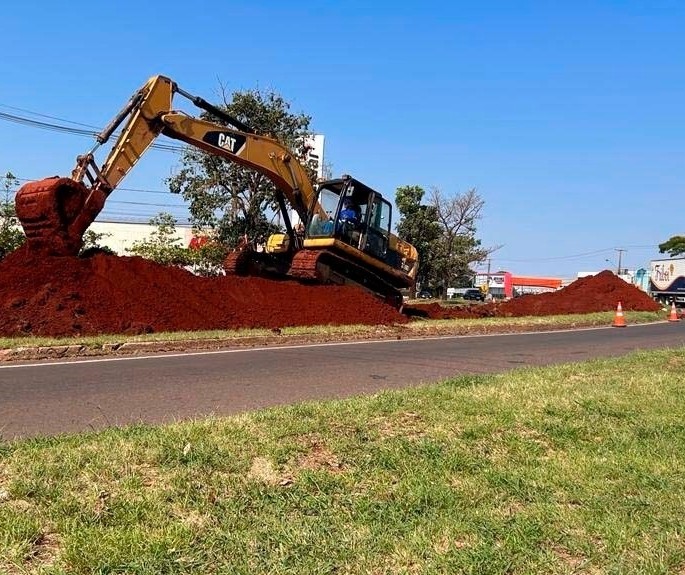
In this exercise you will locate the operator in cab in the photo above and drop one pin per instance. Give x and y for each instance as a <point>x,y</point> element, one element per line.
<point>349,214</point>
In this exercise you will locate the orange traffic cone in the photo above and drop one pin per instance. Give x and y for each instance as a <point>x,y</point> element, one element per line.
<point>619,320</point>
<point>673,316</point>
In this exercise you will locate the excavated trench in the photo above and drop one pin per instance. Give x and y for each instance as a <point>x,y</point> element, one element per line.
<point>66,296</point>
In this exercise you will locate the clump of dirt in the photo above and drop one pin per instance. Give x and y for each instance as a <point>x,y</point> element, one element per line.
<point>437,311</point>
<point>601,292</point>
<point>65,296</point>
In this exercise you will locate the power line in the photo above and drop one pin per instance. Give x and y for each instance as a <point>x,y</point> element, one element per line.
<point>131,218</point>
<point>501,260</point>
<point>16,109</point>
<point>575,256</point>
<point>145,204</point>
<point>176,149</point>
<point>182,206</point>
<point>139,190</point>
<point>51,126</point>
<point>45,125</point>
<point>557,258</point>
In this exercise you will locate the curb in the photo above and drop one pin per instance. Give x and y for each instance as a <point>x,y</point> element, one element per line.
<point>26,353</point>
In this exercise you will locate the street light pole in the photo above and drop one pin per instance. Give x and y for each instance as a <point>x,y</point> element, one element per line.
<point>620,253</point>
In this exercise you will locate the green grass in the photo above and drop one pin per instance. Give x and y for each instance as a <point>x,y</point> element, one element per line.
<point>328,331</point>
<point>100,340</point>
<point>596,319</point>
<point>578,468</point>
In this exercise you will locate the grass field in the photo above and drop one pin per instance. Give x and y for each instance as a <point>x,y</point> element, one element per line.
<point>572,469</point>
<point>418,328</point>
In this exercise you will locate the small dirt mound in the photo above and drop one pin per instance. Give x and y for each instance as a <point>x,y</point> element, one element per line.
<point>437,311</point>
<point>600,292</point>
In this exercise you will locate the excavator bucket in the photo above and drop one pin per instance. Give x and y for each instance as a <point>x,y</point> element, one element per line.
<point>55,213</point>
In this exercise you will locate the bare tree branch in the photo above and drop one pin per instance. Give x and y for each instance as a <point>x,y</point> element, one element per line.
<point>458,248</point>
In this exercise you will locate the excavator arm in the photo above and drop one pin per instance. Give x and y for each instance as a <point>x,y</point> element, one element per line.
<point>56,212</point>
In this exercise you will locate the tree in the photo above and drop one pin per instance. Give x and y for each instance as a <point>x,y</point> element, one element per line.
<point>91,243</point>
<point>418,225</point>
<point>443,231</point>
<point>11,234</point>
<point>207,259</point>
<point>228,198</point>
<point>457,247</point>
<point>675,246</point>
<point>163,245</point>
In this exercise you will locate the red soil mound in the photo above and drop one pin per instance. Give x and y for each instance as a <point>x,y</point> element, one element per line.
<point>63,296</point>
<point>437,311</point>
<point>600,292</point>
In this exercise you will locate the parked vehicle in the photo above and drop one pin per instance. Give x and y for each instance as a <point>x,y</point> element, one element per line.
<point>453,293</point>
<point>424,294</point>
<point>667,280</point>
<point>474,294</point>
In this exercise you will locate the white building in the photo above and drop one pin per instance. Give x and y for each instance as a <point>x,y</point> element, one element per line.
<point>315,143</point>
<point>118,236</point>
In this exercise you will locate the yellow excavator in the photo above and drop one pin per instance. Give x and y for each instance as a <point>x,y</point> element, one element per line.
<point>320,245</point>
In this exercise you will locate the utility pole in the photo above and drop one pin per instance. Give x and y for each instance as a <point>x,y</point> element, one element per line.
<point>620,253</point>
<point>487,281</point>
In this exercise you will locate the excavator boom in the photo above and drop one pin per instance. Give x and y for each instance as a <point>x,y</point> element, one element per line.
<point>56,212</point>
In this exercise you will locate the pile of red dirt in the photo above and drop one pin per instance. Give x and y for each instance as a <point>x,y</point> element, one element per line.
<point>437,311</point>
<point>65,296</point>
<point>600,292</point>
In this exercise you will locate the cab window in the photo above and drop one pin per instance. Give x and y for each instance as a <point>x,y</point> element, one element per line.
<point>322,224</point>
<point>380,215</point>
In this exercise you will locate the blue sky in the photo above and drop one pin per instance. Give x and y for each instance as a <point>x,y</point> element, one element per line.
<point>566,117</point>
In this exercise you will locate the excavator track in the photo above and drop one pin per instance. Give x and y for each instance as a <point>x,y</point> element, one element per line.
<point>304,265</point>
<point>245,261</point>
<point>323,266</point>
<point>237,262</point>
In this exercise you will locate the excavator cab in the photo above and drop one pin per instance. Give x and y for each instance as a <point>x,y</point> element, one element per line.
<point>351,212</point>
<point>348,240</point>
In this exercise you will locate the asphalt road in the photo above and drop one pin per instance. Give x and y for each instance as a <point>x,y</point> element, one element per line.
<point>48,398</point>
